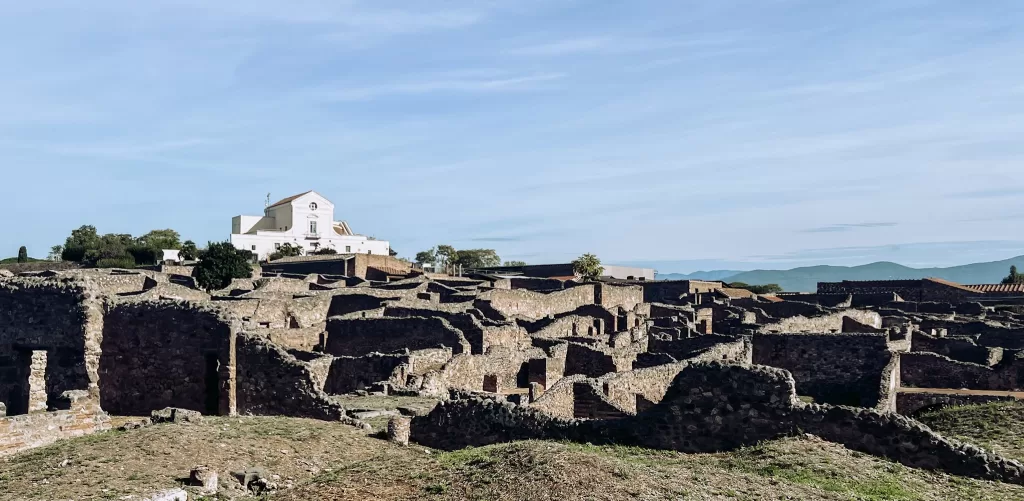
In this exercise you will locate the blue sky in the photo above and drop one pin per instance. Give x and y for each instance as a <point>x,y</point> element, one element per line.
<point>695,134</point>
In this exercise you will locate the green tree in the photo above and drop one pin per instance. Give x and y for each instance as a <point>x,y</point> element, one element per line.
<point>22,254</point>
<point>446,255</point>
<point>161,239</point>
<point>286,250</point>
<point>588,267</point>
<point>756,289</point>
<point>189,252</point>
<point>221,263</point>
<point>476,258</point>
<point>514,263</point>
<point>55,253</point>
<point>1013,277</point>
<point>323,252</point>
<point>427,256</point>
<point>80,241</point>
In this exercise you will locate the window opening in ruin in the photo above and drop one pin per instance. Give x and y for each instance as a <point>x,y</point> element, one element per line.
<point>491,383</point>
<point>523,376</point>
<point>28,393</point>
<point>212,379</point>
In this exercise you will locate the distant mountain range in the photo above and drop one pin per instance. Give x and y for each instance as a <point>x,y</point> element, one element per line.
<point>806,279</point>
<point>699,275</point>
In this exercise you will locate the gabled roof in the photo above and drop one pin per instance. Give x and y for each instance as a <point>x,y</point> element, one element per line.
<point>735,293</point>
<point>289,199</point>
<point>952,284</point>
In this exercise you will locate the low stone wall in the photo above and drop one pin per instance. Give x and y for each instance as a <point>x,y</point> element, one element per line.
<point>711,407</point>
<point>964,349</point>
<point>534,305</point>
<point>831,322</point>
<point>272,382</point>
<point>912,404</point>
<point>360,336</point>
<point>930,370</point>
<point>349,374</point>
<point>82,416</point>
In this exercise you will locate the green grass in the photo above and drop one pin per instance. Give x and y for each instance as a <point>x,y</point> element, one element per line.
<point>995,426</point>
<point>14,260</point>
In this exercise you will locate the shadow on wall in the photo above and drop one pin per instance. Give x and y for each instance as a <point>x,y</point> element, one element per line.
<point>164,354</point>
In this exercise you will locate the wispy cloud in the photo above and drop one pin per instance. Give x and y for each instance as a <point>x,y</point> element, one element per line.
<point>833,228</point>
<point>990,193</point>
<point>449,85</point>
<point>617,45</point>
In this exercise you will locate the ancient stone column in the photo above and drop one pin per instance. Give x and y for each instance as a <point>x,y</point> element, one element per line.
<point>398,429</point>
<point>37,382</point>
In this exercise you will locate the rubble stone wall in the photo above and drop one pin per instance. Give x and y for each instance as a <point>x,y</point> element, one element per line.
<point>82,417</point>
<point>931,370</point>
<point>832,368</point>
<point>160,354</point>
<point>360,336</point>
<point>272,382</point>
<point>60,316</point>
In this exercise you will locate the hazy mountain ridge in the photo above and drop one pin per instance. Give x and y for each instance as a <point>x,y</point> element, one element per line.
<point>699,275</point>
<point>807,278</point>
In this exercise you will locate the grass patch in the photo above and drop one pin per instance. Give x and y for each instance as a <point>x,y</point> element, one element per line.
<point>995,426</point>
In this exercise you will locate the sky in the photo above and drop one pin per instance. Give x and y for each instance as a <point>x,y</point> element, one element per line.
<point>691,134</point>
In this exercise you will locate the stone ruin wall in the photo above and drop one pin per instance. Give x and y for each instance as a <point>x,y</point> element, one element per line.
<point>358,336</point>
<point>535,305</point>
<point>50,331</point>
<point>831,368</point>
<point>78,414</point>
<point>713,407</point>
<point>931,370</point>
<point>160,354</point>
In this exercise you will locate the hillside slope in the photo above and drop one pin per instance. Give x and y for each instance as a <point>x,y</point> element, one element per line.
<point>320,460</point>
<point>807,278</point>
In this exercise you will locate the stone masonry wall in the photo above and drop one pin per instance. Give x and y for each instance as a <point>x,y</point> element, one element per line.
<point>534,305</point>
<point>360,336</point>
<point>349,374</point>
<point>273,382</point>
<point>82,415</point>
<point>61,319</point>
<point>930,370</point>
<point>832,368</point>
<point>160,354</point>
<point>712,407</point>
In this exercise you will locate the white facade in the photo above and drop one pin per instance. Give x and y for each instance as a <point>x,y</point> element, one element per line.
<point>305,220</point>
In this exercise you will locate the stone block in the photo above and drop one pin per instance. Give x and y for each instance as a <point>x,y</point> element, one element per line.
<point>205,478</point>
<point>176,415</point>
<point>398,429</point>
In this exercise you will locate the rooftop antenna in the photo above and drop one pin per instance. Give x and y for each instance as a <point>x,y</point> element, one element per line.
<point>267,202</point>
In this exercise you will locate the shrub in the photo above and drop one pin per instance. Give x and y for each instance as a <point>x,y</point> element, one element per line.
<point>116,262</point>
<point>222,262</point>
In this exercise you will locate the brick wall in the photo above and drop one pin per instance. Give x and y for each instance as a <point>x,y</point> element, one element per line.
<point>81,416</point>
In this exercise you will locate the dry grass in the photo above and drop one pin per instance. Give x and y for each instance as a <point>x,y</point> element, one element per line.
<point>328,461</point>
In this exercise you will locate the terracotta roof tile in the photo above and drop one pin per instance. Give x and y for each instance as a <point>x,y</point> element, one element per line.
<point>952,284</point>
<point>998,287</point>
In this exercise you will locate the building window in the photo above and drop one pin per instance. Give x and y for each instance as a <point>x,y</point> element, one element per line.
<point>312,227</point>
<point>277,246</point>
<point>348,248</point>
<point>312,206</point>
<point>253,247</point>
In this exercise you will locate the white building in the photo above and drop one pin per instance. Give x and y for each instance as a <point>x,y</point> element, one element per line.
<point>305,220</point>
